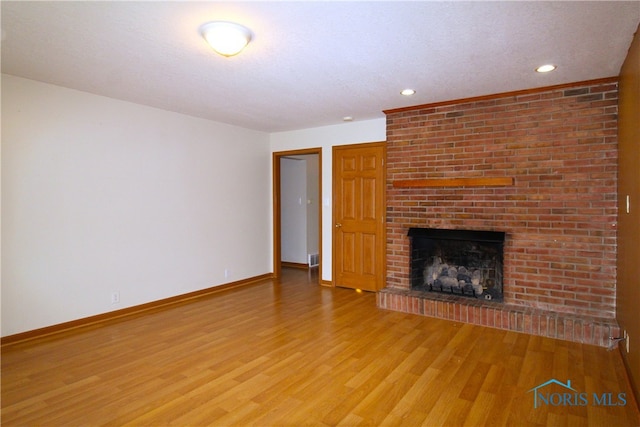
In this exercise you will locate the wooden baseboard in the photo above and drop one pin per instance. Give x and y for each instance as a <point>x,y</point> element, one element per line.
<point>328,283</point>
<point>297,265</point>
<point>129,311</point>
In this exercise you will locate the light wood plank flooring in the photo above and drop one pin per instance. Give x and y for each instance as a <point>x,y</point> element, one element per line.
<point>291,353</point>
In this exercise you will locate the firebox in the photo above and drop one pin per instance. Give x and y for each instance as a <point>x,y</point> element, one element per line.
<point>458,262</point>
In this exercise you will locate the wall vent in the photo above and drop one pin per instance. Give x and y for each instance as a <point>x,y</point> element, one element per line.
<point>313,260</point>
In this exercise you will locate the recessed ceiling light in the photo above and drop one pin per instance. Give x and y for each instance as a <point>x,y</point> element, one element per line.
<point>407,92</point>
<point>347,118</point>
<point>546,68</point>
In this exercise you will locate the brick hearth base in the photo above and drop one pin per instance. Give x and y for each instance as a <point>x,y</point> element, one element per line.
<point>581,329</point>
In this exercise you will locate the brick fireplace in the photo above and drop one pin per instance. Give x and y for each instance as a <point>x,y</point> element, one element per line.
<point>538,165</point>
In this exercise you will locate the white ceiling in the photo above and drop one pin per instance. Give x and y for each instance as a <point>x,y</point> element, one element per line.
<point>312,63</point>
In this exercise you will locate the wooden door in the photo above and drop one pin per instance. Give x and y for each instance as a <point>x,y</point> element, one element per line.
<point>359,220</point>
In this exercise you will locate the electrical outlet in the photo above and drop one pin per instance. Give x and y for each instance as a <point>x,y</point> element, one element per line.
<point>115,297</point>
<point>226,273</point>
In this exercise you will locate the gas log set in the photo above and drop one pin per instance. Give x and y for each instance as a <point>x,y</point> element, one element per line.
<point>459,262</point>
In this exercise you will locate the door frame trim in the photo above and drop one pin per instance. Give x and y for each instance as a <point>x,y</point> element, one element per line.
<point>277,215</point>
<point>334,149</point>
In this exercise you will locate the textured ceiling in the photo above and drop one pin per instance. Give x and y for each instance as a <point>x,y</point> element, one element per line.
<point>312,63</point>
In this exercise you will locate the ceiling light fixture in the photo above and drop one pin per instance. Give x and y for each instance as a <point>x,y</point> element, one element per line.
<point>226,38</point>
<point>546,68</point>
<point>407,92</point>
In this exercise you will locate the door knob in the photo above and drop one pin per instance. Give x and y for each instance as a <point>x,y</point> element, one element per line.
<point>338,225</point>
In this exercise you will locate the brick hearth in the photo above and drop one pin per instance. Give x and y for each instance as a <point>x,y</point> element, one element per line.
<point>559,147</point>
<point>583,329</point>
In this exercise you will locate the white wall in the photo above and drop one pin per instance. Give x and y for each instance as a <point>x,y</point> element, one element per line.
<point>293,210</point>
<point>313,199</point>
<point>327,137</point>
<point>100,195</point>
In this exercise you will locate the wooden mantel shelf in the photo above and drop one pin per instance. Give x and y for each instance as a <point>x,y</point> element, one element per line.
<point>454,182</point>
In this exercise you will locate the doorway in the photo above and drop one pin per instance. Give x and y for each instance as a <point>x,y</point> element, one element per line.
<point>304,246</point>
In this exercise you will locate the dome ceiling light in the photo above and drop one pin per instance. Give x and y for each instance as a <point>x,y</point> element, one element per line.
<point>226,38</point>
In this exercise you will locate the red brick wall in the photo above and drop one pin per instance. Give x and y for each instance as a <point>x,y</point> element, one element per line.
<point>560,147</point>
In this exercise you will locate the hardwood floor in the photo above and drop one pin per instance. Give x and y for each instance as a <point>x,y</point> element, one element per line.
<point>295,353</point>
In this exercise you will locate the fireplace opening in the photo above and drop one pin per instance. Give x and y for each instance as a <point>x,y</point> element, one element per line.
<point>458,262</point>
